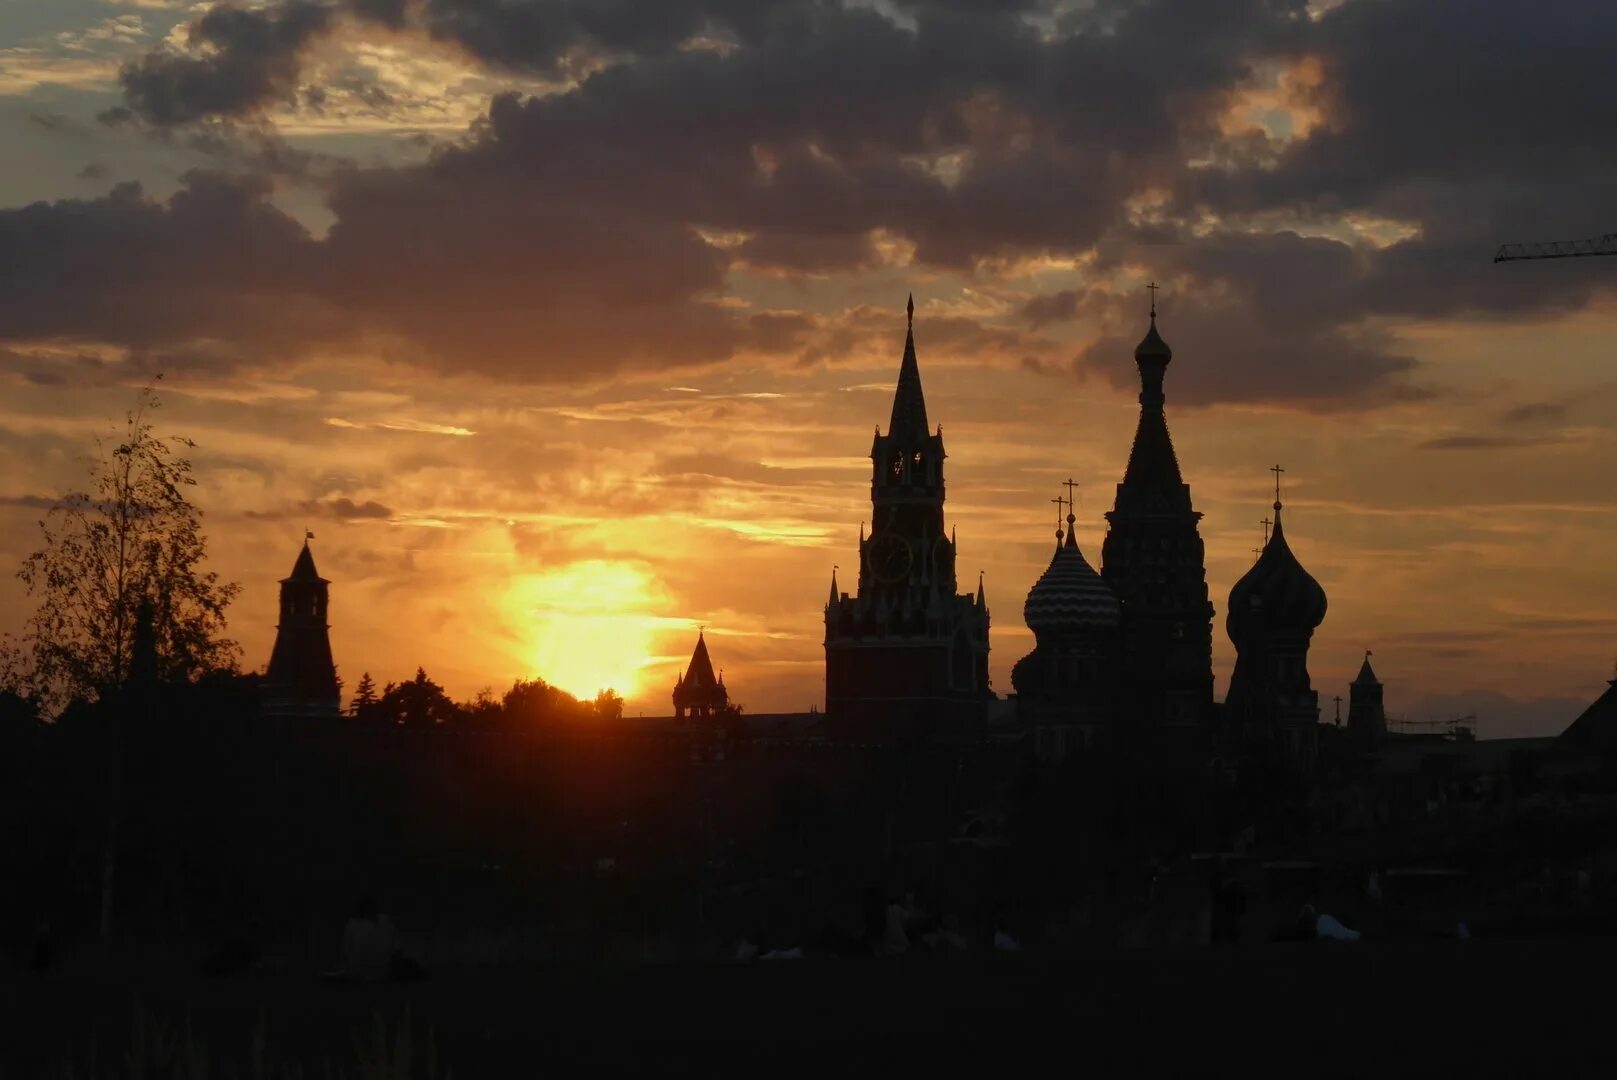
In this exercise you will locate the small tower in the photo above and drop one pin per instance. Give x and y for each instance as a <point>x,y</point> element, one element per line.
<point>1367,717</point>
<point>1274,610</point>
<point>700,693</point>
<point>301,679</point>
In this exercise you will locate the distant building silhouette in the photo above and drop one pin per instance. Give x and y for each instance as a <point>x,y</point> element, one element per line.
<point>1155,563</point>
<point>1595,729</point>
<point>1274,610</point>
<point>699,692</point>
<point>906,654</point>
<point>302,679</point>
<point>1065,687</point>
<point>1367,714</point>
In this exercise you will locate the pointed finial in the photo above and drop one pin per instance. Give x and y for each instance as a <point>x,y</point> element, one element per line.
<point>1266,523</point>
<point>909,310</point>
<point>1277,470</point>
<point>1153,287</point>
<point>307,536</point>
<point>1070,484</point>
<point>1060,505</point>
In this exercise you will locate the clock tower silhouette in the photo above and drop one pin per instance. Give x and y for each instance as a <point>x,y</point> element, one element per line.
<point>906,655</point>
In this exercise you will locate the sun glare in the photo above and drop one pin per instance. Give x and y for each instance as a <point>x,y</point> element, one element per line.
<point>587,626</point>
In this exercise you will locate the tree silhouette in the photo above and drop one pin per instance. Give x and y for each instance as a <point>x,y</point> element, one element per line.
<point>365,698</point>
<point>132,538</point>
<point>419,703</point>
<point>609,705</point>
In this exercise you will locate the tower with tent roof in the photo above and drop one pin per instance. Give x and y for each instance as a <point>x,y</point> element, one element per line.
<point>1154,561</point>
<point>301,679</point>
<point>699,692</point>
<point>906,653</point>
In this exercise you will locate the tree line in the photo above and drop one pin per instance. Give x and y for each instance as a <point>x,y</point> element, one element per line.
<point>419,703</point>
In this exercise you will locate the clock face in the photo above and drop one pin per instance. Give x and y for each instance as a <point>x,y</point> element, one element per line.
<point>890,557</point>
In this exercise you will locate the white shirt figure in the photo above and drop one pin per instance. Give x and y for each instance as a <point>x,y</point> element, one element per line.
<point>895,940</point>
<point>1330,929</point>
<point>367,947</point>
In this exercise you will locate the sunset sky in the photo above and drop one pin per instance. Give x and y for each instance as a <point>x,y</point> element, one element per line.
<point>564,325</point>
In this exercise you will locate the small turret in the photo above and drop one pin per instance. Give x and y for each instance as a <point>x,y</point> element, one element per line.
<point>301,679</point>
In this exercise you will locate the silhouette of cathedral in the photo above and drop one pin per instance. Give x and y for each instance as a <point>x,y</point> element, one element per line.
<point>699,693</point>
<point>1124,656</point>
<point>906,654</point>
<point>302,679</point>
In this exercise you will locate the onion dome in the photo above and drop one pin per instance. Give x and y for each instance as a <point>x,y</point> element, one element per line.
<point>1152,347</point>
<point>1069,596</point>
<point>1277,593</point>
<point>1027,674</point>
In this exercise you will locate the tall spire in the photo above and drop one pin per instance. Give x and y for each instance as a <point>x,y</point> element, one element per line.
<point>908,423</point>
<point>1153,469</point>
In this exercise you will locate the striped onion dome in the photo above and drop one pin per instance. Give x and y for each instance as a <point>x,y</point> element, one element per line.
<point>1069,596</point>
<point>1277,593</point>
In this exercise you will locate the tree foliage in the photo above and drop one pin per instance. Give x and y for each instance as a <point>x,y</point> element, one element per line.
<point>130,543</point>
<point>364,696</point>
<point>418,703</point>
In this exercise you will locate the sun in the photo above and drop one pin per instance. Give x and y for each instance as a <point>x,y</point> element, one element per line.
<point>587,626</point>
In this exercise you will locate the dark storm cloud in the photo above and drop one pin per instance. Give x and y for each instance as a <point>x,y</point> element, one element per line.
<point>217,262</point>
<point>562,235</point>
<point>1049,308</point>
<point>253,60</point>
<point>1452,117</point>
<point>1228,350</point>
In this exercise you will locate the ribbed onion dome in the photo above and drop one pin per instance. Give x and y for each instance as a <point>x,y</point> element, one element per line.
<point>1069,596</point>
<point>1277,593</point>
<point>1152,347</point>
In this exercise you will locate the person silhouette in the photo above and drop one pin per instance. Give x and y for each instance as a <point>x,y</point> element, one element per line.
<point>367,943</point>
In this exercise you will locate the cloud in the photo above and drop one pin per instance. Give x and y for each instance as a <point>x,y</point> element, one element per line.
<point>1049,308</point>
<point>1294,178</point>
<point>1480,442</point>
<point>1534,412</point>
<point>346,509</point>
<point>252,58</point>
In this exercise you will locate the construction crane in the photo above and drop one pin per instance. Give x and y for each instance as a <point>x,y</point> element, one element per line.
<point>1558,249</point>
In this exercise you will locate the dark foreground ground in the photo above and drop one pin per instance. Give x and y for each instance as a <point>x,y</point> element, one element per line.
<point>1368,1010</point>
